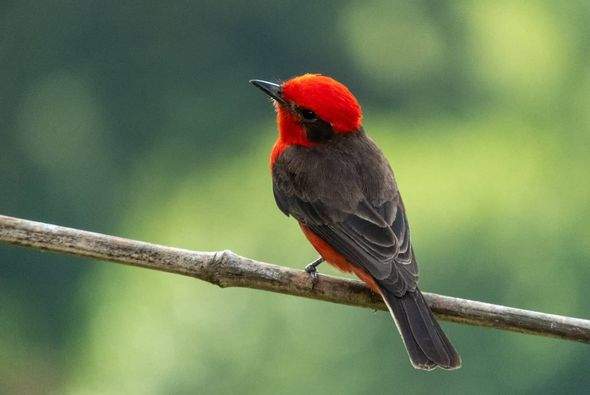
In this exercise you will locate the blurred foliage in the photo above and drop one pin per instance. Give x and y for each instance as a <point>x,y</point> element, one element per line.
<point>136,119</point>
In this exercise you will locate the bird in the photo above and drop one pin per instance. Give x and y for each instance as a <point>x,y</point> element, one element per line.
<point>330,176</point>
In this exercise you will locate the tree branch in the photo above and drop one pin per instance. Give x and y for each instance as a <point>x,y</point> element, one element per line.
<point>227,269</point>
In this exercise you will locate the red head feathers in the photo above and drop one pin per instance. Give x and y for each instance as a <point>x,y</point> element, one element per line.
<point>311,108</point>
<point>328,98</point>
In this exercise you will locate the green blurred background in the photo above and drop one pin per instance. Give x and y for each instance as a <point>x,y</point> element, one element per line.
<point>137,119</point>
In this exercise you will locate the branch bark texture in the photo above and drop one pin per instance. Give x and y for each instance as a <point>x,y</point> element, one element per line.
<point>227,269</point>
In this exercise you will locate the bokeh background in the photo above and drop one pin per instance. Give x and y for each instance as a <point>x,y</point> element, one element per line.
<point>136,119</point>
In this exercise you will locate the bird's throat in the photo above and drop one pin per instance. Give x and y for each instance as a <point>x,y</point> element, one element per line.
<point>291,132</point>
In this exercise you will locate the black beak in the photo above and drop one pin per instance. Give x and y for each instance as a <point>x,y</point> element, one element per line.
<point>271,89</point>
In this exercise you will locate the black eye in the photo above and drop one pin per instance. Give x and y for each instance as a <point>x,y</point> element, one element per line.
<point>308,115</point>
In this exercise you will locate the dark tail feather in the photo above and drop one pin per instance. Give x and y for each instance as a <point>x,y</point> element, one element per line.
<point>426,343</point>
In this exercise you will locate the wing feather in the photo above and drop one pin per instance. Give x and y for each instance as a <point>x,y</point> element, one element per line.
<point>375,238</point>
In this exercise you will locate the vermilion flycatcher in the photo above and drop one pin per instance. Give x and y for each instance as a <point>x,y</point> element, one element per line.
<point>333,179</point>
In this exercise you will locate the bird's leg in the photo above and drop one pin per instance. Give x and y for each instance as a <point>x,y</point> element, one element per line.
<point>313,271</point>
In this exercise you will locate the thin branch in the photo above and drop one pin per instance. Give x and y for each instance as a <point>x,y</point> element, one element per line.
<point>227,269</point>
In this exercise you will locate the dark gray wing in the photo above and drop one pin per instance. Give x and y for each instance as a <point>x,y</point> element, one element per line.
<point>376,238</point>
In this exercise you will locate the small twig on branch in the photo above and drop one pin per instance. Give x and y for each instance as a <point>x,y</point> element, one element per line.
<point>227,269</point>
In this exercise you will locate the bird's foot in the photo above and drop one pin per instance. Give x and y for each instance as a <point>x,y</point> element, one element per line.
<point>313,271</point>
